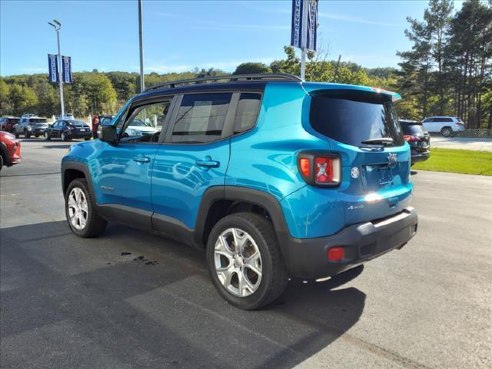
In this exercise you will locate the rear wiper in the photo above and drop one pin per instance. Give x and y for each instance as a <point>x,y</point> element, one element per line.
<point>378,141</point>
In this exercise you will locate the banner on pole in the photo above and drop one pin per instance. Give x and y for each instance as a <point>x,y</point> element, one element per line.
<point>53,68</point>
<point>304,24</point>
<point>67,69</point>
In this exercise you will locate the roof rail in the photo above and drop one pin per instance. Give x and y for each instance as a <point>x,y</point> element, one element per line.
<point>229,78</point>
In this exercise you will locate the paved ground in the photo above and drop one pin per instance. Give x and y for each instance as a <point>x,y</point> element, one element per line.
<point>463,143</point>
<point>135,300</point>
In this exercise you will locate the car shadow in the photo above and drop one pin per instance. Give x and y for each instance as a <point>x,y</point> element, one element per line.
<point>144,299</point>
<point>66,147</point>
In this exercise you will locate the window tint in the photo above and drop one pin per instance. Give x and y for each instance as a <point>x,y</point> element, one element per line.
<point>247,111</point>
<point>201,118</point>
<point>353,116</point>
<point>146,123</point>
<point>446,119</point>
<point>412,129</point>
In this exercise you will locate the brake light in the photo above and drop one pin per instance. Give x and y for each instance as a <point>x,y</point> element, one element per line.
<point>319,168</point>
<point>410,138</point>
<point>460,123</point>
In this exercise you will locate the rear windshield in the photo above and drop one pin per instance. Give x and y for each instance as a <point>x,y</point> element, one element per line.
<point>352,117</point>
<point>37,120</point>
<point>76,123</point>
<point>412,129</point>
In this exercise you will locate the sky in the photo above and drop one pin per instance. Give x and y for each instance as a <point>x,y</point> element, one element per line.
<point>181,35</point>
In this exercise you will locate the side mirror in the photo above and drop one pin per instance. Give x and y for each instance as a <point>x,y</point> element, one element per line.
<point>108,134</point>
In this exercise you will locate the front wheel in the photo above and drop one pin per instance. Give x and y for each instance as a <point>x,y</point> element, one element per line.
<point>80,210</point>
<point>27,134</point>
<point>47,136</point>
<point>64,136</point>
<point>244,261</point>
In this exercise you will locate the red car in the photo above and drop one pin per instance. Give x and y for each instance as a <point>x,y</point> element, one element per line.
<point>10,150</point>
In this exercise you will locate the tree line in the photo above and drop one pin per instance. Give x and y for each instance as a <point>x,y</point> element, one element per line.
<point>448,71</point>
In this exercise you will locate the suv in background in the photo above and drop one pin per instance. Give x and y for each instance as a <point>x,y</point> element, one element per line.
<point>446,126</point>
<point>275,177</point>
<point>418,139</point>
<point>31,125</point>
<point>7,124</point>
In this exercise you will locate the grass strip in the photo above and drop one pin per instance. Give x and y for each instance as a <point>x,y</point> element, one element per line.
<point>458,161</point>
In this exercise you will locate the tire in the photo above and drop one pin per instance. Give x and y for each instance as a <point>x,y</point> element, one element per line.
<point>47,136</point>
<point>27,134</point>
<point>64,136</point>
<point>80,210</point>
<point>446,132</point>
<point>16,134</point>
<point>36,136</point>
<point>264,276</point>
<point>87,138</point>
<point>1,162</point>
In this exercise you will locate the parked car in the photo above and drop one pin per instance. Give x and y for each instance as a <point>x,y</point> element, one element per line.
<point>10,150</point>
<point>275,177</point>
<point>67,130</point>
<point>7,123</point>
<point>31,125</point>
<point>418,139</point>
<point>446,126</point>
<point>140,128</point>
<point>67,116</point>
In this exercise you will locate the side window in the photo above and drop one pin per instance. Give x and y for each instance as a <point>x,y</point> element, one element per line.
<point>201,118</point>
<point>447,120</point>
<point>145,123</point>
<point>247,110</point>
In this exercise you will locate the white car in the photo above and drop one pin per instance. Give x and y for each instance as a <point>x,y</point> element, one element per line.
<point>445,125</point>
<point>139,128</point>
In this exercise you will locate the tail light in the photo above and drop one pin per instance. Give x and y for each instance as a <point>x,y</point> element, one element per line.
<point>410,138</point>
<point>460,123</point>
<point>320,168</point>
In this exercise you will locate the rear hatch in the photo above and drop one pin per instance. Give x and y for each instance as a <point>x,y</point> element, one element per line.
<point>416,136</point>
<point>362,128</point>
<point>38,122</point>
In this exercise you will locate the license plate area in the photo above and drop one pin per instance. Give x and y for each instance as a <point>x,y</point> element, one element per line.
<point>385,175</point>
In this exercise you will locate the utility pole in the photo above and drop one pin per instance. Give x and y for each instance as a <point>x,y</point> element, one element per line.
<point>140,37</point>
<point>57,26</point>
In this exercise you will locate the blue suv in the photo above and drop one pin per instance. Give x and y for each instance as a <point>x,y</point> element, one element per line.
<point>275,177</point>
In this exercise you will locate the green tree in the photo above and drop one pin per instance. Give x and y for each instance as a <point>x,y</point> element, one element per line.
<point>252,68</point>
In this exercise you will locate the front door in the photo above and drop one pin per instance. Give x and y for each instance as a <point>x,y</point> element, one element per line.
<point>126,167</point>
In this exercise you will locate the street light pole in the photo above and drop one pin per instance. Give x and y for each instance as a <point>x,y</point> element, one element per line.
<point>140,38</point>
<point>57,26</point>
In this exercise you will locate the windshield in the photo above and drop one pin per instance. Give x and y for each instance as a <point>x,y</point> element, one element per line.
<point>139,123</point>
<point>354,117</point>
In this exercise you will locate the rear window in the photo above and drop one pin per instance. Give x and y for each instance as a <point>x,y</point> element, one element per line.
<point>351,117</point>
<point>37,120</point>
<point>412,129</point>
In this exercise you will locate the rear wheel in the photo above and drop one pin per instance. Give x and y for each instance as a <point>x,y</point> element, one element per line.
<point>80,209</point>
<point>1,162</point>
<point>16,134</point>
<point>244,261</point>
<point>447,132</point>
<point>47,136</point>
<point>27,134</point>
<point>64,136</point>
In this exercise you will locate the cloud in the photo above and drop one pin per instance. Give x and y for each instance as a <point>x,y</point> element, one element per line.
<point>345,18</point>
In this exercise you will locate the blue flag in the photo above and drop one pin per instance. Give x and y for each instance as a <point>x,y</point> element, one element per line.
<point>53,68</point>
<point>304,24</point>
<point>67,69</point>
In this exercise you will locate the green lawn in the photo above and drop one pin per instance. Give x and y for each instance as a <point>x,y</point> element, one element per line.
<point>458,161</point>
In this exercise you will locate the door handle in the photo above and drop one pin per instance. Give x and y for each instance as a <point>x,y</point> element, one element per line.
<point>141,159</point>
<point>207,163</point>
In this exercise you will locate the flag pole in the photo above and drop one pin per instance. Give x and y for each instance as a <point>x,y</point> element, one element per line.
<point>305,10</point>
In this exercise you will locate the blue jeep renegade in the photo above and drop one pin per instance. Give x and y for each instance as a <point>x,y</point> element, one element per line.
<point>275,177</point>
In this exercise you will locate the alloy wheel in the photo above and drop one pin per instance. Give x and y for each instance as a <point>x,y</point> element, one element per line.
<point>78,209</point>
<point>237,262</point>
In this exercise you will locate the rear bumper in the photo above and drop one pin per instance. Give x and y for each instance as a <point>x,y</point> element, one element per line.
<point>80,134</point>
<point>419,156</point>
<point>307,258</point>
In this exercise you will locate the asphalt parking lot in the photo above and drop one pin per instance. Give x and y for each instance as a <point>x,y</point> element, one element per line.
<point>462,143</point>
<point>135,300</point>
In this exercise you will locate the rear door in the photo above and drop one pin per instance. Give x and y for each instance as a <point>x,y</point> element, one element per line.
<point>193,159</point>
<point>363,129</point>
